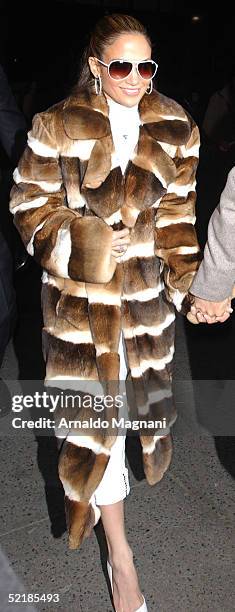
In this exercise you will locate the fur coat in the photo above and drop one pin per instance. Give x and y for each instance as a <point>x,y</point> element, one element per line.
<point>69,196</point>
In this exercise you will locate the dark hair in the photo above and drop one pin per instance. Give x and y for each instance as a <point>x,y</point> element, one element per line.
<point>106,31</point>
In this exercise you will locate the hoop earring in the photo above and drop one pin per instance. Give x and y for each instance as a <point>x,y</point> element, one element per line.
<point>98,85</point>
<point>150,88</point>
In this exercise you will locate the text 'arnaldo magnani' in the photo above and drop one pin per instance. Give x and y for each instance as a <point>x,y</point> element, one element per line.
<point>59,412</point>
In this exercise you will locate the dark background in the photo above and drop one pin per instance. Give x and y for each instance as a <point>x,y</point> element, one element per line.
<point>41,43</point>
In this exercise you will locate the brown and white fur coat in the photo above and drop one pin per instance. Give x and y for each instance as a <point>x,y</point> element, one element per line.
<point>69,196</point>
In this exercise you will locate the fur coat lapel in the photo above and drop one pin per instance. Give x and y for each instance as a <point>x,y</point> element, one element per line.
<point>86,119</point>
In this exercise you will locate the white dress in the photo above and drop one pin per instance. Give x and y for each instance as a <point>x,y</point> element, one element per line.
<point>114,485</point>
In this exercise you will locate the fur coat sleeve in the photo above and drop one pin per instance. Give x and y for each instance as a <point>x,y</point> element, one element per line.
<point>175,235</point>
<point>63,242</point>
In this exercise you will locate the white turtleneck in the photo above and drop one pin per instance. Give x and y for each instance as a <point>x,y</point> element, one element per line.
<point>124,122</point>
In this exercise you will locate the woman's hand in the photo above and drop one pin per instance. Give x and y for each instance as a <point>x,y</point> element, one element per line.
<point>121,240</point>
<point>206,311</point>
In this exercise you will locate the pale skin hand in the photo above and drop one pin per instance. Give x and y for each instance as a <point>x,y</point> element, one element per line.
<point>120,242</point>
<point>206,311</point>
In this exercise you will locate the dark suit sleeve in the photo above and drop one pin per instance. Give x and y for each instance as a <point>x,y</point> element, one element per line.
<point>13,129</point>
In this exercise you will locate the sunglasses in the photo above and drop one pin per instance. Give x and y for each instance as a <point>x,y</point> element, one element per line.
<point>120,69</point>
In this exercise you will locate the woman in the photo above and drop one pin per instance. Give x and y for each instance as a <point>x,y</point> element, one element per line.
<point>104,200</point>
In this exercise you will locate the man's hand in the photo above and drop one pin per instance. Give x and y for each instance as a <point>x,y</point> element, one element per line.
<point>206,311</point>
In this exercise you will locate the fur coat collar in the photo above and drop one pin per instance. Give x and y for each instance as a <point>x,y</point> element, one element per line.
<point>163,123</point>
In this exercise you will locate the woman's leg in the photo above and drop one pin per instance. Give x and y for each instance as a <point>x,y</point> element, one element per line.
<point>109,497</point>
<point>127,595</point>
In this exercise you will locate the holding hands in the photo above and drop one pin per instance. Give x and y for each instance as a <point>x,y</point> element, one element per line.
<point>205,311</point>
<point>202,310</point>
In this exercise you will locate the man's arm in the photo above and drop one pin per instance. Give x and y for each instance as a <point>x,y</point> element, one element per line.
<point>214,281</point>
<point>215,278</point>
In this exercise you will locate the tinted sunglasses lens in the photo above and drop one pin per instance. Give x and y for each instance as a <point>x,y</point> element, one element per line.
<point>119,70</point>
<point>146,70</point>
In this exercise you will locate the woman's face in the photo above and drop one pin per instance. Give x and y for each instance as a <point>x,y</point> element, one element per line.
<point>133,47</point>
